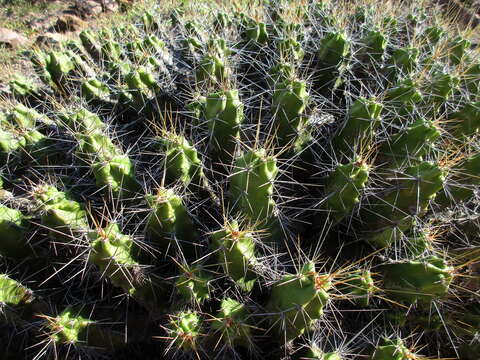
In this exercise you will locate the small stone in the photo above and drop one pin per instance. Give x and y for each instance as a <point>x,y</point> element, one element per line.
<point>50,39</point>
<point>11,38</point>
<point>67,22</point>
<point>109,5</point>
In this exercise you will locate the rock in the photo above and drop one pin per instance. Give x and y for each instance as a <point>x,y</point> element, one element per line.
<point>109,5</point>
<point>86,8</point>
<point>90,8</point>
<point>11,38</point>
<point>67,22</point>
<point>42,24</point>
<point>50,39</point>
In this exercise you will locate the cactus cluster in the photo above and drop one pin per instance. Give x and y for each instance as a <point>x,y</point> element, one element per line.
<point>289,180</point>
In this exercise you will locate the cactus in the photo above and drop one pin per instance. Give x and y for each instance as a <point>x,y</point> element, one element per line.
<point>464,176</point>
<point>374,46</point>
<point>403,96</point>
<point>94,89</point>
<point>251,185</point>
<point>224,115</point>
<point>13,293</point>
<point>315,353</point>
<point>360,286</point>
<point>193,284</point>
<point>169,223</point>
<point>289,101</point>
<point>466,121</point>
<point>236,253</point>
<point>333,57</point>
<point>344,186</point>
<point>61,215</point>
<point>410,145</point>
<point>363,118</point>
<point>296,301</point>
<point>113,253</point>
<point>13,225</point>
<point>200,161</point>
<point>16,302</point>
<point>22,86</point>
<point>182,161</point>
<point>231,324</point>
<point>403,62</point>
<point>421,280</point>
<point>391,349</point>
<point>185,329</point>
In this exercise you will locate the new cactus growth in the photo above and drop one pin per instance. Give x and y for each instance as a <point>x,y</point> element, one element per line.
<point>182,161</point>
<point>290,50</point>
<point>418,185</point>
<point>22,86</point>
<point>212,68</point>
<point>403,96</point>
<point>333,57</point>
<point>460,185</point>
<point>374,45</point>
<point>442,87</point>
<point>84,121</point>
<point>69,327</point>
<point>13,293</point>
<point>359,286</point>
<point>457,49</point>
<point>114,254</point>
<point>112,169</point>
<point>465,122</point>
<point>94,89</point>
<point>255,32</point>
<point>297,300</point>
<point>313,352</point>
<point>90,43</point>
<point>403,62</point>
<point>59,65</point>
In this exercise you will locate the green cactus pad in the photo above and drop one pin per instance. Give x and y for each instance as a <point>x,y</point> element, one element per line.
<point>13,228</point>
<point>185,329</point>
<point>193,284</point>
<point>251,185</point>
<point>288,104</point>
<point>169,222</point>
<point>231,324</point>
<point>235,251</point>
<point>419,281</point>
<point>60,213</point>
<point>344,187</point>
<point>224,114</point>
<point>297,301</point>
<point>13,293</point>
